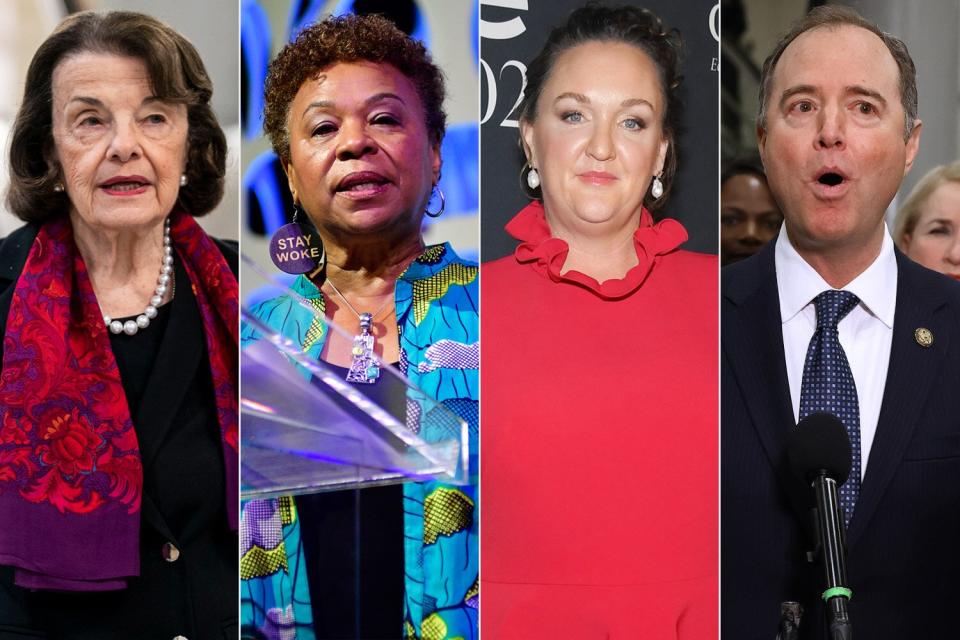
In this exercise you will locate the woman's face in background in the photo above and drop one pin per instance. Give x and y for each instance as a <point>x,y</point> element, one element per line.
<point>749,217</point>
<point>361,158</point>
<point>935,240</point>
<point>121,150</point>
<point>597,139</point>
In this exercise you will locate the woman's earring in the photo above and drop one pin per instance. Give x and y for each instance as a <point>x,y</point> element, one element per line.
<point>296,249</point>
<point>656,189</point>
<point>183,179</point>
<point>443,205</point>
<point>58,186</point>
<point>533,178</point>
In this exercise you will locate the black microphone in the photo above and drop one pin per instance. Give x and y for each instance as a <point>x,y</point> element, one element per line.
<point>819,454</point>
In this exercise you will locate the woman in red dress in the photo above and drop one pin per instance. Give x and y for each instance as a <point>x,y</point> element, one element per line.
<point>599,377</point>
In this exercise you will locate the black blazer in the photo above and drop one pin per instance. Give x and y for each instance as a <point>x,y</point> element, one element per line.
<point>904,539</point>
<point>196,595</point>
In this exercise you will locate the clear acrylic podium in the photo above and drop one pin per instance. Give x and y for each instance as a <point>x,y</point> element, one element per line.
<point>304,429</point>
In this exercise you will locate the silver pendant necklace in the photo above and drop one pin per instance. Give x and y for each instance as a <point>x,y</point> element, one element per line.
<point>131,327</point>
<point>364,368</point>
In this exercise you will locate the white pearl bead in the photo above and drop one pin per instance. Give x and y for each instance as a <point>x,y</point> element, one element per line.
<point>165,280</point>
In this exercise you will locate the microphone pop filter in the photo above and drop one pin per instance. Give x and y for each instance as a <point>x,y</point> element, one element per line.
<point>819,442</point>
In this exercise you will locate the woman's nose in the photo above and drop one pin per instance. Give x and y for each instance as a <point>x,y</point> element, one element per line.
<point>953,251</point>
<point>125,144</point>
<point>600,145</point>
<point>354,141</point>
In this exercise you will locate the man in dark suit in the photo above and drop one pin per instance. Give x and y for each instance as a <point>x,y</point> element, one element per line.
<point>837,131</point>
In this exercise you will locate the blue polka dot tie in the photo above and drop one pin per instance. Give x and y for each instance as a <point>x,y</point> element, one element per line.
<point>828,383</point>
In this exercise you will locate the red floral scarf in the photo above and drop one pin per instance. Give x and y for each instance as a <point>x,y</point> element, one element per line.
<point>70,472</point>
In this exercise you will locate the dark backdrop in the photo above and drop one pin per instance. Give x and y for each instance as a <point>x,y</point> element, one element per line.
<point>513,31</point>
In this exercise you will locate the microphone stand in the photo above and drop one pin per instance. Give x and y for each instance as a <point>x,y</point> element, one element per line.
<point>832,544</point>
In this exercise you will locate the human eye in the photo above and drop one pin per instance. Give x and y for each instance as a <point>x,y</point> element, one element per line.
<point>573,117</point>
<point>322,129</point>
<point>89,119</point>
<point>387,119</point>
<point>634,124</point>
<point>156,118</point>
<point>939,230</point>
<point>802,106</point>
<point>866,108</point>
<point>730,219</point>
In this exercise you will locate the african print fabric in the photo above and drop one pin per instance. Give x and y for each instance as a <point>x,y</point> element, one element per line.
<point>438,322</point>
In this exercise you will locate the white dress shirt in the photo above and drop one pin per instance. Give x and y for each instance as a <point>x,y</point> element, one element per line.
<point>866,333</point>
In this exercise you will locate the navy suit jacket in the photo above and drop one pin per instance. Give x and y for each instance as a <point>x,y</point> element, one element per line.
<point>903,544</point>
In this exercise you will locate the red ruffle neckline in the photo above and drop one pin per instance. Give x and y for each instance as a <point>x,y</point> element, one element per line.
<point>547,254</point>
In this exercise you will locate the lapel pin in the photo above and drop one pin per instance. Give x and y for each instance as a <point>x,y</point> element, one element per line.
<point>923,336</point>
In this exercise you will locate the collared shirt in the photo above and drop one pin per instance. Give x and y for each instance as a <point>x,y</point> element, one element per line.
<point>866,333</point>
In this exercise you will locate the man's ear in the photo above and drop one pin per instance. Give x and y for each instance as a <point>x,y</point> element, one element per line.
<point>761,140</point>
<point>913,145</point>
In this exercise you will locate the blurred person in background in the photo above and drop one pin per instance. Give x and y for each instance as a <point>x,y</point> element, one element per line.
<point>927,227</point>
<point>749,216</point>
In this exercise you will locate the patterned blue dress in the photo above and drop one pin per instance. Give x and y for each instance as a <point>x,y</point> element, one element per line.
<point>438,322</point>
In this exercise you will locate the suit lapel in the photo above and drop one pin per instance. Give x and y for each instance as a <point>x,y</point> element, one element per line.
<point>910,375</point>
<point>753,343</point>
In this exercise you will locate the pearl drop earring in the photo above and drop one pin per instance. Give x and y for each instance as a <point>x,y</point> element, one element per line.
<point>656,189</point>
<point>533,178</point>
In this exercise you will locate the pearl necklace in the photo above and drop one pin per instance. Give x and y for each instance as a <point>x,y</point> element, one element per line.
<point>131,327</point>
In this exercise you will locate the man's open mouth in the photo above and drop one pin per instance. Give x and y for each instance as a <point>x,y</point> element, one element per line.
<point>830,179</point>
